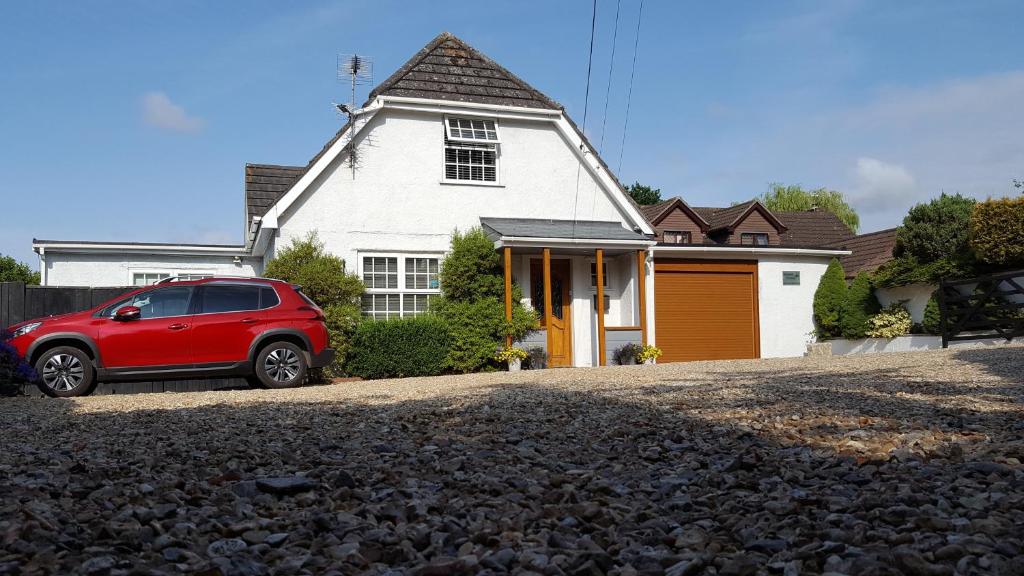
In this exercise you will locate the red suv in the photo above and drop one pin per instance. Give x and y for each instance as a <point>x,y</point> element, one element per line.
<point>266,330</point>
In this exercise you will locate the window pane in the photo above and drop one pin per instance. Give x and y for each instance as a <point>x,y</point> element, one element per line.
<point>163,302</point>
<point>268,298</point>
<point>229,298</point>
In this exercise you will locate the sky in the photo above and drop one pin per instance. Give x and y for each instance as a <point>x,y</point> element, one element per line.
<point>133,121</point>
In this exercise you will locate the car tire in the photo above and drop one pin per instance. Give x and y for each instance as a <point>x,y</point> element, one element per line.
<point>281,365</point>
<point>65,372</point>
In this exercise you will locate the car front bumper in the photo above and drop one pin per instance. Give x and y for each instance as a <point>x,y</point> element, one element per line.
<point>324,358</point>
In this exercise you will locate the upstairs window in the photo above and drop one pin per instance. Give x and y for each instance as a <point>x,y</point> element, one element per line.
<point>676,237</point>
<point>754,239</point>
<point>380,272</point>
<point>470,150</point>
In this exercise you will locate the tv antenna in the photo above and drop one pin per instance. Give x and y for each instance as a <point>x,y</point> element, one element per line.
<point>355,70</point>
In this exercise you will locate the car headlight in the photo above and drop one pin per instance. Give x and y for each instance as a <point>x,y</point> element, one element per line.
<point>26,329</point>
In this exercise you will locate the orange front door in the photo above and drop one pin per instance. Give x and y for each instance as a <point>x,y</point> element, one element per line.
<point>560,353</point>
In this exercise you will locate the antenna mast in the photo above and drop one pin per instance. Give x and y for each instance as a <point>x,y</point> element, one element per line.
<point>356,70</point>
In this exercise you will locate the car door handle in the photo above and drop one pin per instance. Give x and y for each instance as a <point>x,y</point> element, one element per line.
<point>177,326</point>
<point>248,320</point>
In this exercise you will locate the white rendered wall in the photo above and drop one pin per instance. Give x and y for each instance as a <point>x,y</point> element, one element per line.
<point>787,312</point>
<point>914,297</point>
<point>116,269</point>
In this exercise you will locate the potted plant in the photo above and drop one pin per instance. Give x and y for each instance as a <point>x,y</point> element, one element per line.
<point>626,355</point>
<point>648,354</point>
<point>512,356</point>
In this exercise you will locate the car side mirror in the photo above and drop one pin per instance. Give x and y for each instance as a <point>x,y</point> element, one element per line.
<point>127,313</point>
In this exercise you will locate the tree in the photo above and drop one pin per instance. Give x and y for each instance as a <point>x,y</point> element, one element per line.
<point>13,271</point>
<point>858,308</point>
<point>829,300</point>
<point>932,243</point>
<point>644,194</point>
<point>324,280</point>
<point>794,198</point>
<point>473,302</point>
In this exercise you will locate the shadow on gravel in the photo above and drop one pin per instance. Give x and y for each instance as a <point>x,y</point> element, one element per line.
<point>520,478</point>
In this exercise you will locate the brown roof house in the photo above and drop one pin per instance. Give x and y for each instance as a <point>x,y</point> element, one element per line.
<point>453,140</point>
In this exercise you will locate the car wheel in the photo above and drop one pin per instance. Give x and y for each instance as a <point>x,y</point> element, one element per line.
<point>281,365</point>
<point>64,372</point>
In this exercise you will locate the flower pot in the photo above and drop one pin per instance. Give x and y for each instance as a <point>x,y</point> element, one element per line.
<point>650,361</point>
<point>515,365</point>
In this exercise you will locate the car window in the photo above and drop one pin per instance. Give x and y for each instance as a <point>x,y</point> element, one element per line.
<point>229,298</point>
<point>268,298</point>
<point>162,302</point>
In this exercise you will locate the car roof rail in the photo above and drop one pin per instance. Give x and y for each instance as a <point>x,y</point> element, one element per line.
<point>216,277</point>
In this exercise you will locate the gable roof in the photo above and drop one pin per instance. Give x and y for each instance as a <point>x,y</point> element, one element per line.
<point>449,69</point>
<point>870,251</point>
<point>655,213</point>
<point>813,228</point>
<point>265,184</point>
<point>731,217</point>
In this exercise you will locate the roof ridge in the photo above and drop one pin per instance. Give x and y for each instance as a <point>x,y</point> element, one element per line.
<point>260,165</point>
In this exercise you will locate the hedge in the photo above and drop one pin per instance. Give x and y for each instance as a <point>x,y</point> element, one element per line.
<point>997,232</point>
<point>415,346</point>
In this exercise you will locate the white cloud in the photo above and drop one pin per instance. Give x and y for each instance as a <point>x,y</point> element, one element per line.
<point>159,111</point>
<point>880,186</point>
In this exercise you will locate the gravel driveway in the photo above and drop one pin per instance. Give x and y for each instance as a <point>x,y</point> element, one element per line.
<point>880,464</point>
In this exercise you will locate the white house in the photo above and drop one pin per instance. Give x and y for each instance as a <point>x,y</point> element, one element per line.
<point>452,141</point>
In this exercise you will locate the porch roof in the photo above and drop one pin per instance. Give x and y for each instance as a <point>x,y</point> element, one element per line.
<point>539,228</point>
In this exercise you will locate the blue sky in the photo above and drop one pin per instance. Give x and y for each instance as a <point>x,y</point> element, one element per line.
<point>133,121</point>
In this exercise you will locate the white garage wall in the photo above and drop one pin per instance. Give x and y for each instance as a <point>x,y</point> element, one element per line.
<point>115,269</point>
<point>787,312</point>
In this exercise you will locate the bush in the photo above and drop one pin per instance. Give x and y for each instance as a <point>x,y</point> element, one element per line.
<point>932,321</point>
<point>860,305</point>
<point>829,299</point>
<point>932,244</point>
<point>415,346</point>
<point>626,354</point>
<point>891,322</point>
<point>472,303</point>
<point>13,368</point>
<point>13,271</point>
<point>997,232</point>
<point>323,278</point>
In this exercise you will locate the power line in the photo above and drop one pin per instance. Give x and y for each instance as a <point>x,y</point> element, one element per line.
<point>611,66</point>
<point>632,72</point>
<point>586,101</point>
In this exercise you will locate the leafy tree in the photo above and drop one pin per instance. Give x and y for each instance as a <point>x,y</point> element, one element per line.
<point>13,271</point>
<point>323,278</point>
<point>794,198</point>
<point>473,302</point>
<point>859,306</point>
<point>932,243</point>
<point>829,300</point>
<point>644,194</point>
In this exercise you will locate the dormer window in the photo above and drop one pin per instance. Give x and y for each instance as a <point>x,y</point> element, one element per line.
<point>471,150</point>
<point>676,237</point>
<point>754,239</point>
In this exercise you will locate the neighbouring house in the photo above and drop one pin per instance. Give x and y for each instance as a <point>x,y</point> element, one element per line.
<point>871,250</point>
<point>452,140</point>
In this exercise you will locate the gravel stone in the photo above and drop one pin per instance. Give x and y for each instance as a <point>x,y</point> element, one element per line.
<point>874,464</point>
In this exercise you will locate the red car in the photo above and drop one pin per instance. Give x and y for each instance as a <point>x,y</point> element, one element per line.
<point>266,330</point>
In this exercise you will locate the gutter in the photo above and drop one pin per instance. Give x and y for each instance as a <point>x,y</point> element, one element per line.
<point>753,251</point>
<point>523,241</point>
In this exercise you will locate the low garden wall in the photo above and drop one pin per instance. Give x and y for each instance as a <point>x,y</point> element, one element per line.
<point>909,343</point>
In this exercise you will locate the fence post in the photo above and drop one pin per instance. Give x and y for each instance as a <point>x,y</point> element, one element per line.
<point>943,313</point>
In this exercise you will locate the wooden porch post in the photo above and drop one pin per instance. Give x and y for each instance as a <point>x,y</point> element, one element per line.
<point>508,291</point>
<point>547,299</point>
<point>641,285</point>
<point>601,354</point>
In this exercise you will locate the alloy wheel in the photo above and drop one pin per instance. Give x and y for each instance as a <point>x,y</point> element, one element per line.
<point>63,372</point>
<point>281,365</point>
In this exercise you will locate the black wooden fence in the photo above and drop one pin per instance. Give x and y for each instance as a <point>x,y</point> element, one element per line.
<point>19,302</point>
<point>982,308</point>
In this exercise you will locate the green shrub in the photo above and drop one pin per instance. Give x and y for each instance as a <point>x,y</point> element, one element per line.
<point>891,322</point>
<point>13,271</point>
<point>323,278</point>
<point>932,321</point>
<point>829,299</point>
<point>414,346</point>
<point>860,305</point>
<point>472,303</point>
<point>931,244</point>
<point>997,232</point>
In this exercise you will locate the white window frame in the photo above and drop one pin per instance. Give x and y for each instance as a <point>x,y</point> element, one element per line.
<point>460,138</point>
<point>170,272</point>
<point>592,262</point>
<point>402,291</point>
<point>456,142</point>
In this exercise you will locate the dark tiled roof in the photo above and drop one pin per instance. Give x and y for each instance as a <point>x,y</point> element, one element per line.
<point>870,251</point>
<point>812,228</point>
<point>540,228</point>
<point>449,69</point>
<point>265,184</point>
<point>653,211</point>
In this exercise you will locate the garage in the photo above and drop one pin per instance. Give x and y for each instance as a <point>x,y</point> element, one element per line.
<point>706,309</point>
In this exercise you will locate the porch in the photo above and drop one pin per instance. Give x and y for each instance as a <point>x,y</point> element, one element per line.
<point>565,268</point>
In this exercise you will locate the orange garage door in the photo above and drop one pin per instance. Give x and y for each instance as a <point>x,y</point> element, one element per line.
<point>705,310</point>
